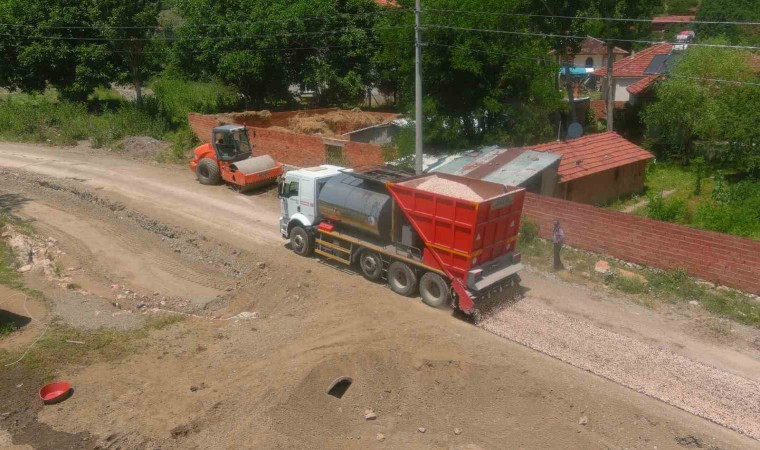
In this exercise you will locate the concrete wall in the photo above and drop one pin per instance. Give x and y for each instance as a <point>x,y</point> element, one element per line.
<point>606,186</point>
<point>716,257</point>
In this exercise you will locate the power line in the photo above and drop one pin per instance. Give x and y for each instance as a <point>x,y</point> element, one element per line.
<point>492,52</point>
<point>743,83</point>
<point>180,38</point>
<point>171,27</point>
<point>611,19</point>
<point>569,36</point>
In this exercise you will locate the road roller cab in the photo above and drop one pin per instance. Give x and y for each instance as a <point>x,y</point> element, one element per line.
<point>228,158</point>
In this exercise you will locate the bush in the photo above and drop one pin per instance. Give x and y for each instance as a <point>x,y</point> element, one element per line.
<point>733,209</point>
<point>659,208</point>
<point>183,141</point>
<point>173,99</point>
<point>45,119</point>
<point>528,232</point>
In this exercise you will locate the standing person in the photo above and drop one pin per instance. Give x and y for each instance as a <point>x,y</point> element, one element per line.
<point>558,238</point>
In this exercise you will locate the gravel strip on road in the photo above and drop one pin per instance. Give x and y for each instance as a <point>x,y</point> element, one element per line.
<point>724,398</point>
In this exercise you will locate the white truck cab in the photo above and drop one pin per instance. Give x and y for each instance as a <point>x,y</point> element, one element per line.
<point>299,191</point>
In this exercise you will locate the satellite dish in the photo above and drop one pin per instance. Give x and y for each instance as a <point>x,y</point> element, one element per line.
<point>574,131</point>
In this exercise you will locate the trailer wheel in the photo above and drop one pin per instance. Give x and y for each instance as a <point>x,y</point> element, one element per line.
<point>434,290</point>
<point>371,265</point>
<point>208,172</point>
<point>301,242</point>
<point>402,279</point>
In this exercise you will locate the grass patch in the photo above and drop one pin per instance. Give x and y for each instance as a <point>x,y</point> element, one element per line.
<point>6,328</point>
<point>673,286</point>
<point>684,195</point>
<point>53,351</point>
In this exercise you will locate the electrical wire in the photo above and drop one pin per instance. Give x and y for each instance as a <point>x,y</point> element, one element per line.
<point>172,27</point>
<point>180,38</point>
<point>606,19</point>
<point>569,36</point>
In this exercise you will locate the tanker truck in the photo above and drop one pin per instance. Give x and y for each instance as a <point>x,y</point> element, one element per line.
<point>450,238</point>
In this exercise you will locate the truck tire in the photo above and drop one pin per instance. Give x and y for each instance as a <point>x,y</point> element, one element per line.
<point>402,279</point>
<point>208,172</point>
<point>301,242</point>
<point>434,290</point>
<point>371,265</point>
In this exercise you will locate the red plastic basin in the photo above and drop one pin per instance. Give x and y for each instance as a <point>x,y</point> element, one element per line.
<point>55,392</point>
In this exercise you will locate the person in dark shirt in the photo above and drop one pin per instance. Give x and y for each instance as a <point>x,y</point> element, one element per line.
<point>558,238</point>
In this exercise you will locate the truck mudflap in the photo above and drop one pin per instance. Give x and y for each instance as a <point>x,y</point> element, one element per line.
<point>472,302</point>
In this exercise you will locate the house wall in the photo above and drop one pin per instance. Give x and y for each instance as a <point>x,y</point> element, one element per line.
<point>580,60</point>
<point>716,257</point>
<point>300,150</point>
<point>603,187</point>
<point>621,84</point>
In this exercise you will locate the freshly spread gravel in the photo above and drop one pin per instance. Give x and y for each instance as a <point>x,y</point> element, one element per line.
<point>724,398</point>
<point>449,188</point>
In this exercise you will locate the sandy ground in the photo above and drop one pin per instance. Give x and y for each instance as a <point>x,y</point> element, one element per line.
<point>148,237</point>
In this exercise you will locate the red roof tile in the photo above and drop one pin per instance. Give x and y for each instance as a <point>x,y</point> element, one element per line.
<point>594,46</point>
<point>635,65</point>
<point>593,154</point>
<point>388,3</point>
<point>641,87</point>
<point>599,108</point>
<point>672,19</point>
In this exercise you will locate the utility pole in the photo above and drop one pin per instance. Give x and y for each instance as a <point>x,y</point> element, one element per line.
<point>570,96</point>
<point>418,89</point>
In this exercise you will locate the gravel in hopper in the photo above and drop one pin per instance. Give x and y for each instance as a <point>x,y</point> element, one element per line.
<point>450,188</point>
<point>703,390</point>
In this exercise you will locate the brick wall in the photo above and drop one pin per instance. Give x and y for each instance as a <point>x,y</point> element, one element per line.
<point>293,149</point>
<point>716,257</point>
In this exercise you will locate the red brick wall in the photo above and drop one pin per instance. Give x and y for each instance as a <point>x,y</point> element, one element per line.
<point>294,149</point>
<point>715,257</point>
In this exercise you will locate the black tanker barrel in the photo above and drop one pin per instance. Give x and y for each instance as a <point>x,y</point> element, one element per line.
<point>357,203</point>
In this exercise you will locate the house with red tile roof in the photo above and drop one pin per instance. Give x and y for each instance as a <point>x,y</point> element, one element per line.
<point>633,70</point>
<point>598,168</point>
<point>660,23</point>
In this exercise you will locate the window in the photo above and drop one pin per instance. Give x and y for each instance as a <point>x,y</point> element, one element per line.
<point>589,62</point>
<point>290,189</point>
<point>334,155</point>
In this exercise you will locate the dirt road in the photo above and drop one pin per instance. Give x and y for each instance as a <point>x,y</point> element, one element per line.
<point>146,236</point>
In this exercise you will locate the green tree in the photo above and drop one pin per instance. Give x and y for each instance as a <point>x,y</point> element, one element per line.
<point>75,46</point>
<point>693,110</point>
<point>729,11</point>
<point>264,48</point>
<point>51,43</point>
<point>130,27</point>
<point>480,88</point>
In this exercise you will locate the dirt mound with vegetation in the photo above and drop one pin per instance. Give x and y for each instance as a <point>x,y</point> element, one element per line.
<point>334,123</point>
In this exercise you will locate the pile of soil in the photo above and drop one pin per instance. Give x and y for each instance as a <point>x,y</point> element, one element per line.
<point>334,123</point>
<point>143,147</point>
<point>248,117</point>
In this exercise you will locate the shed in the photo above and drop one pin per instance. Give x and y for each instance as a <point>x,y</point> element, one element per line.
<point>598,168</point>
<point>535,171</point>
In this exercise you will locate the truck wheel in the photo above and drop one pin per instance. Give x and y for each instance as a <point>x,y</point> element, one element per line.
<point>371,265</point>
<point>402,279</point>
<point>301,242</point>
<point>434,290</point>
<point>208,172</point>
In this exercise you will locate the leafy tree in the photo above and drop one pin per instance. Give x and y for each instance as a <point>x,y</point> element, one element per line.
<point>729,11</point>
<point>42,46</point>
<point>263,48</point>
<point>691,109</point>
<point>75,46</point>
<point>480,88</point>
<point>129,26</point>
